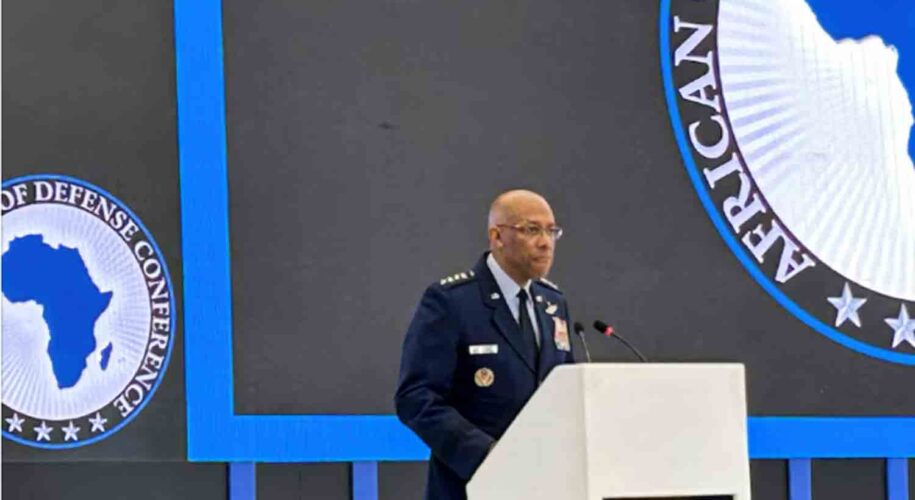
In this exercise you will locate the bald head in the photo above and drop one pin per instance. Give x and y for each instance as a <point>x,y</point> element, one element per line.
<point>510,207</point>
<point>521,255</point>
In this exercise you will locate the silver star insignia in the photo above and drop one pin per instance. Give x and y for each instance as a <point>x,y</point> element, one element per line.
<point>15,423</point>
<point>903,327</point>
<point>43,431</point>
<point>70,432</point>
<point>98,423</point>
<point>847,307</point>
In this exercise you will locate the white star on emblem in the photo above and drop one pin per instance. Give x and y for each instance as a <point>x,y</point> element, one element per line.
<point>98,423</point>
<point>70,432</point>
<point>903,327</point>
<point>847,307</point>
<point>15,423</point>
<point>44,432</point>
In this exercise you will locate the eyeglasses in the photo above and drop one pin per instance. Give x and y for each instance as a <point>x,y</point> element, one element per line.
<point>533,231</point>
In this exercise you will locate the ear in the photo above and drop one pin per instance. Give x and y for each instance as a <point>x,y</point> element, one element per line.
<point>495,238</point>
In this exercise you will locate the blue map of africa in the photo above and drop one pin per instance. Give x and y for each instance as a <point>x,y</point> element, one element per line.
<point>891,20</point>
<point>58,280</point>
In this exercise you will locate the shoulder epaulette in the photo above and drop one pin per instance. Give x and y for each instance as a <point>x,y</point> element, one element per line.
<point>550,284</point>
<point>456,279</point>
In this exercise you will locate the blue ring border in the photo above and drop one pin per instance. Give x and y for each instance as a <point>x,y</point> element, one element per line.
<point>171,288</point>
<point>795,437</point>
<point>216,433</point>
<point>748,263</point>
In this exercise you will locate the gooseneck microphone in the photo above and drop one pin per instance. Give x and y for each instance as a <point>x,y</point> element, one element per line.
<point>608,331</point>
<point>580,331</point>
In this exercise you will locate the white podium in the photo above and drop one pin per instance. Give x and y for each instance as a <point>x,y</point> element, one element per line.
<point>614,431</point>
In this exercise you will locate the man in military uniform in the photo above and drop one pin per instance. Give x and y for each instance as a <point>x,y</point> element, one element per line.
<point>482,341</point>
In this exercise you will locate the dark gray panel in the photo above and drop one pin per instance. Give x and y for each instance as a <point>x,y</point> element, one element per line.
<point>329,481</point>
<point>849,479</point>
<point>366,141</point>
<point>911,478</point>
<point>115,481</point>
<point>401,480</point>
<point>769,479</point>
<point>89,91</point>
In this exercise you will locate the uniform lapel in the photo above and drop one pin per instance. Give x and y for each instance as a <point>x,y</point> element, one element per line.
<point>547,342</point>
<point>501,316</point>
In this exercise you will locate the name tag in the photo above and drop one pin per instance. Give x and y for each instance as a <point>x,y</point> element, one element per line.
<point>484,349</point>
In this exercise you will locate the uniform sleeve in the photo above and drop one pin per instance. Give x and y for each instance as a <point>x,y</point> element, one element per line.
<point>423,393</point>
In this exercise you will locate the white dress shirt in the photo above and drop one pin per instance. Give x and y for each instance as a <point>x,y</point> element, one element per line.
<point>510,290</point>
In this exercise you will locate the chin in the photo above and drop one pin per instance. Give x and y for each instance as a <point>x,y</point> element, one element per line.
<point>540,273</point>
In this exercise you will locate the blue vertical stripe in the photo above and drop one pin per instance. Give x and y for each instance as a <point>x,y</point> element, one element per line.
<point>897,479</point>
<point>365,480</point>
<point>204,221</point>
<point>799,485</point>
<point>242,481</point>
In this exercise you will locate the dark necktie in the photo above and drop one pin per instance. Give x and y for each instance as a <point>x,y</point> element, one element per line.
<point>527,328</point>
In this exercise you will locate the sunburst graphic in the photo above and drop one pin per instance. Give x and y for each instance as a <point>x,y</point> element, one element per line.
<point>29,386</point>
<point>796,131</point>
<point>87,309</point>
<point>824,126</point>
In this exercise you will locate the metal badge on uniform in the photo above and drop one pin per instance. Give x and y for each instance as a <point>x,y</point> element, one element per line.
<point>561,334</point>
<point>484,349</point>
<point>551,308</point>
<point>484,377</point>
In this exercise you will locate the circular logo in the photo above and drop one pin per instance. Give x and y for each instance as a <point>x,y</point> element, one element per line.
<point>88,312</point>
<point>794,119</point>
<point>484,377</point>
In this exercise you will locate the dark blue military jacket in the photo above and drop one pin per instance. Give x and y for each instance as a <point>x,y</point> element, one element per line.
<point>455,392</point>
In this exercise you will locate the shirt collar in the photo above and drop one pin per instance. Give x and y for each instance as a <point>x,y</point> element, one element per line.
<point>506,283</point>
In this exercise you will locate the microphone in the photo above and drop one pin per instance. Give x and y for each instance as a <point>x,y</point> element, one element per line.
<point>608,331</point>
<point>580,331</point>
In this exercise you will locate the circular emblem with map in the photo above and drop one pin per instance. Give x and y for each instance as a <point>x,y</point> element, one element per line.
<point>88,313</point>
<point>794,119</point>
